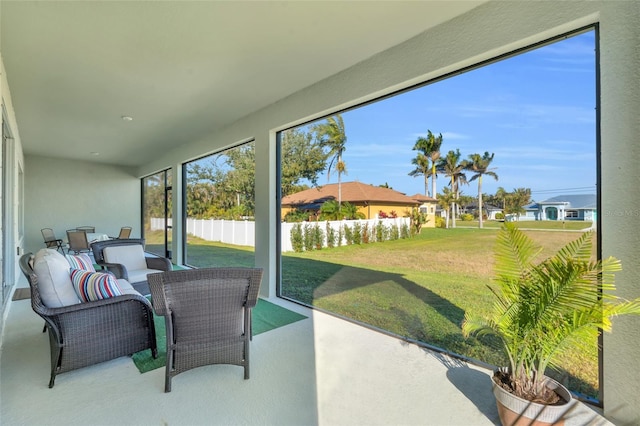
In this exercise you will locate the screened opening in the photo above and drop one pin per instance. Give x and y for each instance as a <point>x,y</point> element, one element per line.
<point>220,205</point>
<point>389,211</point>
<point>156,213</point>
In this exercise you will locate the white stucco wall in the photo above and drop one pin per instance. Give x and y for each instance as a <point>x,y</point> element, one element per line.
<point>12,165</point>
<point>63,194</point>
<point>620,101</point>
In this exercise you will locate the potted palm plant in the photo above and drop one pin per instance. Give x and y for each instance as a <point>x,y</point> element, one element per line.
<point>541,310</point>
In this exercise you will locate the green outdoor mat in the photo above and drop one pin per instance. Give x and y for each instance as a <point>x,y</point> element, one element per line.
<point>265,316</point>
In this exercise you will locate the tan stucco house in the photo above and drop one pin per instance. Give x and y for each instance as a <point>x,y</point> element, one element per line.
<point>370,199</point>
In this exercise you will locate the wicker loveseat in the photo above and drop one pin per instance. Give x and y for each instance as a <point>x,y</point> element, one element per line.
<point>86,333</point>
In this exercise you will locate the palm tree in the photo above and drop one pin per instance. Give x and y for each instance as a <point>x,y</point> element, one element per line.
<point>516,201</point>
<point>451,166</point>
<point>479,165</point>
<point>421,162</point>
<point>501,194</point>
<point>445,200</point>
<point>429,147</point>
<point>331,135</point>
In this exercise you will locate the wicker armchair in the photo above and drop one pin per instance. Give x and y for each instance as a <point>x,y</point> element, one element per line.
<point>88,333</point>
<point>207,315</point>
<point>153,264</point>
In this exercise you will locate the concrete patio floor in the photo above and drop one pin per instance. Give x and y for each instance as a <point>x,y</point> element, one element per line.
<point>319,371</point>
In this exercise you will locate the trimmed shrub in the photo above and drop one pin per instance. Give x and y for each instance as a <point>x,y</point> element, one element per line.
<point>394,232</point>
<point>297,241</point>
<point>348,235</point>
<point>405,232</point>
<point>357,233</point>
<point>318,237</point>
<point>366,235</point>
<point>308,237</point>
<point>331,236</point>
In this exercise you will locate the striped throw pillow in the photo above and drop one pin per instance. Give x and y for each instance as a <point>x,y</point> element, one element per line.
<point>92,286</point>
<point>80,261</point>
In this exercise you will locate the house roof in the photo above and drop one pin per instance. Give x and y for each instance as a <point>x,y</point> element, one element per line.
<point>576,202</point>
<point>353,192</point>
<point>486,206</point>
<point>423,198</point>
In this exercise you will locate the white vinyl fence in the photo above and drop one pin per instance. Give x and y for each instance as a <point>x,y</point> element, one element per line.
<point>242,232</point>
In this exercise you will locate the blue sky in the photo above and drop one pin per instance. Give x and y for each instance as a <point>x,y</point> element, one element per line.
<point>535,111</point>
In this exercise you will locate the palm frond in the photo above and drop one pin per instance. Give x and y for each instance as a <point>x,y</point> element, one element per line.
<point>543,310</point>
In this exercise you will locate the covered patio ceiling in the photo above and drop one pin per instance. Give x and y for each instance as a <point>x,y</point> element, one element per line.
<point>179,69</point>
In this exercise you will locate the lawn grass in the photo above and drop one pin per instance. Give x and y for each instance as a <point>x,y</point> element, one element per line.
<point>417,288</point>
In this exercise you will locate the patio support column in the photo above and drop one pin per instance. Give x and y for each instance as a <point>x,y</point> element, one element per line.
<point>265,246</point>
<point>620,155</point>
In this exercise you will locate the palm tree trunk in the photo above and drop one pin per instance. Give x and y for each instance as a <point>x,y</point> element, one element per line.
<point>454,188</point>
<point>480,201</point>
<point>433,180</point>
<point>339,192</point>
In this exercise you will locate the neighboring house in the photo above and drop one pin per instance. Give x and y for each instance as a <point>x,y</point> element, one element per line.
<point>562,207</point>
<point>428,206</point>
<point>489,209</point>
<point>369,199</point>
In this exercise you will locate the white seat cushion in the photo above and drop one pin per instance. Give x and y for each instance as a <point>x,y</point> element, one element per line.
<point>126,287</point>
<point>54,281</point>
<point>131,256</point>
<point>141,274</point>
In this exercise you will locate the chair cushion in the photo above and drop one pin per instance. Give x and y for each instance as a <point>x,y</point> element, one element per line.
<point>54,283</point>
<point>126,287</point>
<point>141,274</point>
<point>92,286</point>
<point>131,256</point>
<point>81,261</point>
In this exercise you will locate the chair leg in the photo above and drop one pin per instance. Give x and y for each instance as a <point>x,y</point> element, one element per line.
<point>167,384</point>
<point>167,371</point>
<point>246,358</point>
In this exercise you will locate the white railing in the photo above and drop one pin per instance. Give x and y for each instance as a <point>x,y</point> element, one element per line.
<point>242,232</point>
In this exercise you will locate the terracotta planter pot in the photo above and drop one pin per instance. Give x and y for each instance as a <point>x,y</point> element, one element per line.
<point>515,411</point>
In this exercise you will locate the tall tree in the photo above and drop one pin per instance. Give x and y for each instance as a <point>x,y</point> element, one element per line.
<point>516,200</point>
<point>301,157</point>
<point>479,165</point>
<point>429,147</point>
<point>331,135</point>
<point>421,162</point>
<point>501,194</point>
<point>446,200</point>
<point>452,166</point>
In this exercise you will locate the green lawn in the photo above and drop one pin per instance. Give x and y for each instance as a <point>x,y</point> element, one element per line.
<point>418,288</point>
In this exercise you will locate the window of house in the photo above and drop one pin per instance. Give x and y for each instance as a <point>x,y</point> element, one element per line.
<point>527,117</point>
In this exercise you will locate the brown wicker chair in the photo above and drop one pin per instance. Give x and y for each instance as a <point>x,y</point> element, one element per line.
<point>51,241</point>
<point>78,241</point>
<point>92,332</point>
<point>207,315</point>
<point>125,232</point>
